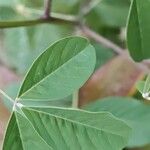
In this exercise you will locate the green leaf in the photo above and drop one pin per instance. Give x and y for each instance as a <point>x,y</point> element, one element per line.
<point>110,13</point>
<point>134,113</point>
<point>138,30</point>
<point>75,129</point>
<point>21,135</point>
<point>60,70</point>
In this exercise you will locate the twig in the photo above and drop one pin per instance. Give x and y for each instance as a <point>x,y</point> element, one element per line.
<point>64,19</point>
<point>47,12</point>
<point>100,39</point>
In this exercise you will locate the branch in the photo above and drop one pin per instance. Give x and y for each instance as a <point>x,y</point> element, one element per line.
<point>47,8</point>
<point>100,39</point>
<point>57,18</point>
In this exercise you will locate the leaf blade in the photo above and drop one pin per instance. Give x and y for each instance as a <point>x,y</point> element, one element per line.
<point>137,30</point>
<point>24,137</point>
<point>134,113</point>
<point>8,142</point>
<point>81,126</point>
<point>52,67</point>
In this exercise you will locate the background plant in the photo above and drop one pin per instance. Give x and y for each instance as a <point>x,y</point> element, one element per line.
<point>68,67</point>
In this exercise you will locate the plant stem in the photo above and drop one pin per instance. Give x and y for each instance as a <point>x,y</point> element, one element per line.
<point>13,24</point>
<point>100,39</point>
<point>5,95</point>
<point>47,12</point>
<point>75,99</point>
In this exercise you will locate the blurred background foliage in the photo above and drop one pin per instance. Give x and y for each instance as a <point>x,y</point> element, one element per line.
<point>114,75</point>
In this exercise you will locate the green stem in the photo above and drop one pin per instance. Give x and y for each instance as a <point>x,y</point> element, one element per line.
<point>75,99</point>
<point>60,19</point>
